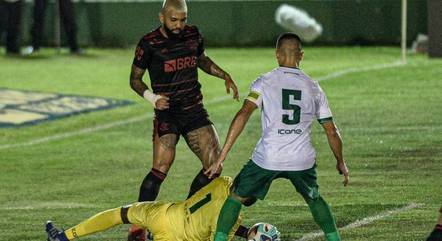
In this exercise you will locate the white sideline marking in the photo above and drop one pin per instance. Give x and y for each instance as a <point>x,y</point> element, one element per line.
<point>76,133</point>
<point>210,102</point>
<point>94,129</point>
<point>403,128</point>
<point>364,221</point>
<point>360,69</point>
<point>49,205</point>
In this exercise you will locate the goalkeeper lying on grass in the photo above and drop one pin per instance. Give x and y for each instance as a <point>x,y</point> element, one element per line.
<point>192,219</point>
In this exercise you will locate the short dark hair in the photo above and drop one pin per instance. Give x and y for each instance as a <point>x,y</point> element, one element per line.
<point>288,36</point>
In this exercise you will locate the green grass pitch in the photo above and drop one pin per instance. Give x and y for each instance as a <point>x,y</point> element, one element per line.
<point>390,120</point>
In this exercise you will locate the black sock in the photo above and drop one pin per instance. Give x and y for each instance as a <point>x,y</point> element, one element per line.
<point>150,187</point>
<point>198,182</point>
<point>242,231</point>
<point>436,235</point>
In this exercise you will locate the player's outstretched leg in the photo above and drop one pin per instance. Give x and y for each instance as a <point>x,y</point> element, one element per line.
<point>96,223</point>
<point>324,218</point>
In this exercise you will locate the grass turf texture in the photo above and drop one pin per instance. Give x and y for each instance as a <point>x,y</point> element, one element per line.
<point>390,120</point>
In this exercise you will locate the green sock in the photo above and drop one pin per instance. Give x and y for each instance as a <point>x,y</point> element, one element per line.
<point>324,218</point>
<point>220,236</point>
<point>333,236</point>
<point>227,218</point>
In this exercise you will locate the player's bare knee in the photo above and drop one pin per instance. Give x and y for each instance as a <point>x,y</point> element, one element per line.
<point>162,165</point>
<point>212,149</point>
<point>213,139</point>
<point>210,158</point>
<point>205,144</point>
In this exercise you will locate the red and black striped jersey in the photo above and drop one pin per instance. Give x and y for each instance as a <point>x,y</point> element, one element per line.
<point>173,66</point>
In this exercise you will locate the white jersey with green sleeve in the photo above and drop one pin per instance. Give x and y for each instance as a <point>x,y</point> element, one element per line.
<point>289,101</point>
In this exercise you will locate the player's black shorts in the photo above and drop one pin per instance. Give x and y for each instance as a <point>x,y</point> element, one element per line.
<point>180,123</point>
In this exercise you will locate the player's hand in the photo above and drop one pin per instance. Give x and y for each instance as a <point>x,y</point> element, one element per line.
<point>230,84</point>
<point>162,103</point>
<point>343,170</point>
<point>213,169</point>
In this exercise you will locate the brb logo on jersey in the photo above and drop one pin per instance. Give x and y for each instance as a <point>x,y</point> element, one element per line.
<point>179,64</point>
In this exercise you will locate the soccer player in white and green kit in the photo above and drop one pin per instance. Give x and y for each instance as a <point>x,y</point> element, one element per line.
<point>289,101</point>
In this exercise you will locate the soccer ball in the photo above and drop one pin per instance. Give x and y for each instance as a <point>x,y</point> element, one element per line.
<point>263,232</point>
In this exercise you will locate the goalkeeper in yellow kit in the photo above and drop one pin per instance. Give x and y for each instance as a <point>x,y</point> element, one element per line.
<point>192,219</point>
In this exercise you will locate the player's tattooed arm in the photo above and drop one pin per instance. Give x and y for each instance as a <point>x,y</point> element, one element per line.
<point>236,127</point>
<point>159,102</point>
<point>208,66</point>
<point>136,80</point>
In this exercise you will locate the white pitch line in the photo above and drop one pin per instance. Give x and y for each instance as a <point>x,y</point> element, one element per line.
<point>403,128</point>
<point>145,117</point>
<point>364,221</point>
<point>48,205</point>
<point>76,133</point>
<point>94,129</point>
<point>360,69</point>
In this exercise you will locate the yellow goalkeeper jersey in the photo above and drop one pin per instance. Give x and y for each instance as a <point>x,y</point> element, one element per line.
<point>192,220</point>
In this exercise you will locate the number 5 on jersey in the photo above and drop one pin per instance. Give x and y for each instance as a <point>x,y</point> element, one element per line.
<point>286,96</point>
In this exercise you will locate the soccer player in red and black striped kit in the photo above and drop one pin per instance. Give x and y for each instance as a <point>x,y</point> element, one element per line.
<point>172,54</point>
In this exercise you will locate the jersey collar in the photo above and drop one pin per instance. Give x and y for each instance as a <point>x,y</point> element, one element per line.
<point>288,69</point>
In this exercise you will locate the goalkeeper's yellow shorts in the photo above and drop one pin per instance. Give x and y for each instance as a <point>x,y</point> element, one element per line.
<point>152,216</point>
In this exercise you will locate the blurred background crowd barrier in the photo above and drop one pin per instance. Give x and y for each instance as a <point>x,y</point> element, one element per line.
<point>110,23</point>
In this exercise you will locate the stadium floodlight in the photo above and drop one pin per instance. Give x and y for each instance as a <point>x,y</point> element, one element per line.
<point>404,31</point>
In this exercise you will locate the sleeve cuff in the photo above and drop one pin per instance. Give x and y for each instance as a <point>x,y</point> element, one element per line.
<point>324,120</point>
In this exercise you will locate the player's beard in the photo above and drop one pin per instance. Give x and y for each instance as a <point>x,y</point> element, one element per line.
<point>171,35</point>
